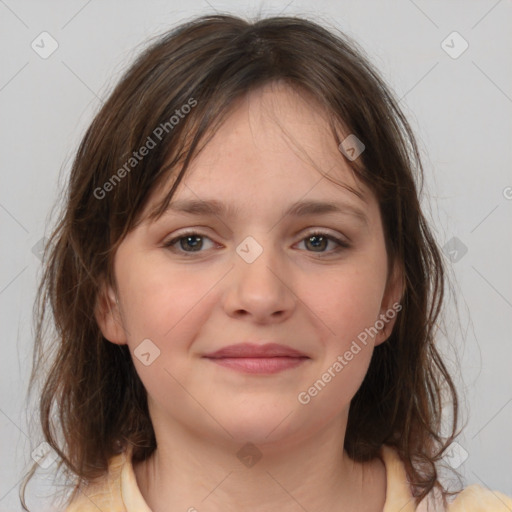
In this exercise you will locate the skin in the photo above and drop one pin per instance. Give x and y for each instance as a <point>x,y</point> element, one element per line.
<point>259,161</point>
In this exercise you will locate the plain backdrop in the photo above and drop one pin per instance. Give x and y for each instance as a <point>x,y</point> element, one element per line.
<point>458,102</point>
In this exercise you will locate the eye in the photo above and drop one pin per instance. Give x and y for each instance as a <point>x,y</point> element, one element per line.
<point>190,240</point>
<point>319,241</point>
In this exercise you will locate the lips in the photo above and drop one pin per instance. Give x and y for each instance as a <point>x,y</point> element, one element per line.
<point>258,359</point>
<point>252,350</point>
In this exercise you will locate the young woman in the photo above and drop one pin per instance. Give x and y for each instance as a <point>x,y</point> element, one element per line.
<point>245,288</point>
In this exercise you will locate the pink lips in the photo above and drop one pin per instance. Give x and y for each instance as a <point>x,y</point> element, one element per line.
<point>264,359</point>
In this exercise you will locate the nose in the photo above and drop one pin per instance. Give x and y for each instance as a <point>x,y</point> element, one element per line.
<point>260,290</point>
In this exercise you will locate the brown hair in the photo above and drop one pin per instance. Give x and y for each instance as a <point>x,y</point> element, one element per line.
<point>207,63</point>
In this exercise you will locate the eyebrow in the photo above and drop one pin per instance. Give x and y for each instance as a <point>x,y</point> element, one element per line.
<point>298,209</point>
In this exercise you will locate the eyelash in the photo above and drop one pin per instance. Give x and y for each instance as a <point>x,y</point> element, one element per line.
<point>342,245</point>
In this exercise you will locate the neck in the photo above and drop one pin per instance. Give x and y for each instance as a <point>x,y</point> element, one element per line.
<point>191,472</point>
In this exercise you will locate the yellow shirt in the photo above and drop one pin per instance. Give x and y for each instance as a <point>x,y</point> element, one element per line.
<point>119,492</point>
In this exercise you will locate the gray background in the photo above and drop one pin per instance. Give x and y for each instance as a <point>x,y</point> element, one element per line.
<point>460,109</point>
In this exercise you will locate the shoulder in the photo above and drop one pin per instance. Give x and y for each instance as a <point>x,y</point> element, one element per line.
<point>104,494</point>
<point>476,498</point>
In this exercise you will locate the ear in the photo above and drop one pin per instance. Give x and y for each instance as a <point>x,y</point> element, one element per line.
<point>108,315</point>
<point>390,305</point>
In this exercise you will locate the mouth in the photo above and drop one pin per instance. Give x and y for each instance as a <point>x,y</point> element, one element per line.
<point>258,359</point>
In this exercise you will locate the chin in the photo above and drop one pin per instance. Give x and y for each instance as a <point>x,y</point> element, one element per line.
<point>259,425</point>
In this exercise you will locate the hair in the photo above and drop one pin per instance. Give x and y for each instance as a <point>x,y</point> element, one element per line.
<point>207,63</point>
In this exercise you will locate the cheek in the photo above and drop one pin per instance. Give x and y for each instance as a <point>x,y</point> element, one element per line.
<point>165,306</point>
<point>162,303</point>
<point>347,307</point>
<point>348,303</point>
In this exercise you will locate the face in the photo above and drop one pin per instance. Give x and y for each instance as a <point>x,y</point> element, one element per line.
<point>190,284</point>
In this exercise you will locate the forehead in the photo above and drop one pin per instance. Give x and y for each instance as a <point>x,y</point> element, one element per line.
<point>275,146</point>
<point>270,127</point>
